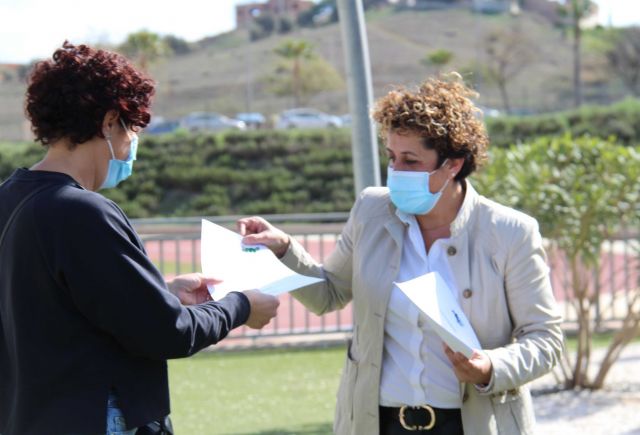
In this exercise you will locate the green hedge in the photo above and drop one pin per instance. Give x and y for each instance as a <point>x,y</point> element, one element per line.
<point>621,120</point>
<point>289,171</point>
<point>234,173</point>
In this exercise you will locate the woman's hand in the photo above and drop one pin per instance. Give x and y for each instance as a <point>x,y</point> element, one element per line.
<point>257,231</point>
<point>191,288</point>
<point>474,370</point>
<point>263,308</point>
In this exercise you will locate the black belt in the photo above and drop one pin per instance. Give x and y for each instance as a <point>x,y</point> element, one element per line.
<point>420,418</point>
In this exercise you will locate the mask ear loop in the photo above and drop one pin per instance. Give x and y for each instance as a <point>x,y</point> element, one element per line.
<point>107,137</point>
<point>126,130</point>
<point>446,183</point>
<point>130,133</point>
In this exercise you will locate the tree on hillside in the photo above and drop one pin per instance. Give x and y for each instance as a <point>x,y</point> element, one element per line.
<point>576,11</point>
<point>263,26</point>
<point>438,59</point>
<point>508,52</point>
<point>324,12</point>
<point>144,48</point>
<point>285,25</point>
<point>177,45</point>
<point>624,58</point>
<point>295,51</point>
<point>301,72</point>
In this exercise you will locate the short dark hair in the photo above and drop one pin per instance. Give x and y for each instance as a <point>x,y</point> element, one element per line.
<point>441,112</point>
<point>70,94</point>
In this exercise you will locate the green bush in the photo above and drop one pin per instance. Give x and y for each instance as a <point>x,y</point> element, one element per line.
<point>581,190</point>
<point>621,120</point>
<point>233,173</point>
<point>289,171</point>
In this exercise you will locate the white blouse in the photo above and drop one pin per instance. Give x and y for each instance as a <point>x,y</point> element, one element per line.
<point>415,369</point>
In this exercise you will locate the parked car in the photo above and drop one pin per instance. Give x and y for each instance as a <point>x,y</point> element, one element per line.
<point>346,120</point>
<point>161,126</point>
<point>489,112</point>
<point>252,119</point>
<point>307,118</point>
<point>209,121</point>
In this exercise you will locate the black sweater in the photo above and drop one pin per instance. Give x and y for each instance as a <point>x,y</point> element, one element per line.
<point>83,310</point>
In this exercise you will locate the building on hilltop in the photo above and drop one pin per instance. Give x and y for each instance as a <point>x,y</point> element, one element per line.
<point>11,71</point>
<point>549,9</point>
<point>430,4</point>
<point>279,8</point>
<point>484,6</point>
<point>496,6</point>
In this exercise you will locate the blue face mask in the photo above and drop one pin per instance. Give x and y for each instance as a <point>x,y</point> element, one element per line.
<point>120,170</point>
<point>410,193</point>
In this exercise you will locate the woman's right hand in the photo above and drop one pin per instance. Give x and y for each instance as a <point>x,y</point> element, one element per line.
<point>257,231</point>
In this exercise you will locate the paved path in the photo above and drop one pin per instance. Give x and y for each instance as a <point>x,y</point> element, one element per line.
<point>615,410</point>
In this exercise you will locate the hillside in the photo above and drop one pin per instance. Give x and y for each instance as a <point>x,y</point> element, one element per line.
<point>215,76</point>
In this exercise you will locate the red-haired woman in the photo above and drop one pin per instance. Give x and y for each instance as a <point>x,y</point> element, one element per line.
<point>86,320</point>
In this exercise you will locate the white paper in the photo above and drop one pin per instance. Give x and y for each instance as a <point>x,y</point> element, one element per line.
<point>431,294</point>
<point>244,267</point>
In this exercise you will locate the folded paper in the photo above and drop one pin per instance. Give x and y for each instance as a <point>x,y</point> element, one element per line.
<point>244,267</point>
<point>431,294</point>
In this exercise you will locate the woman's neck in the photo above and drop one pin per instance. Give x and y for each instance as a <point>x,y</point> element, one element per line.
<point>438,221</point>
<point>78,162</point>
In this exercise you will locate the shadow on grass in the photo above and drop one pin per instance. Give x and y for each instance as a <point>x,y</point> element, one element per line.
<point>305,429</point>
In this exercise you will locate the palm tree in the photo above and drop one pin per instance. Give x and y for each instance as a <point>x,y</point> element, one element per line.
<point>295,50</point>
<point>144,47</point>
<point>577,11</point>
<point>438,59</point>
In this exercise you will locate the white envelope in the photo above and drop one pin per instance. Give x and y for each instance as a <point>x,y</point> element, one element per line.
<point>431,294</point>
<point>244,267</point>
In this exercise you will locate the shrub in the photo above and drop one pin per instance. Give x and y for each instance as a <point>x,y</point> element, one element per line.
<point>581,190</point>
<point>621,120</point>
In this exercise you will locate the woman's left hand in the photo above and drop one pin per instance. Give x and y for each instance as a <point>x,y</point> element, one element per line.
<point>191,288</point>
<point>474,370</point>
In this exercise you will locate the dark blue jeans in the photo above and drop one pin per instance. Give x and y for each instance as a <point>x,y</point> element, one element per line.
<point>115,418</point>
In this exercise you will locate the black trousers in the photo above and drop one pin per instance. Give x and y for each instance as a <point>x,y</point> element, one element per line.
<point>447,421</point>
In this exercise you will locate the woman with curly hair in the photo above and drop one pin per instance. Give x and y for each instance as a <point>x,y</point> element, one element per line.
<point>86,320</point>
<point>399,376</point>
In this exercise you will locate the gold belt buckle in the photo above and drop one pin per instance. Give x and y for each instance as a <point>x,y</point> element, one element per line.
<point>427,408</point>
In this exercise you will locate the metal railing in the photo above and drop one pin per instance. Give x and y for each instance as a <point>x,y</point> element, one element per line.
<point>174,246</point>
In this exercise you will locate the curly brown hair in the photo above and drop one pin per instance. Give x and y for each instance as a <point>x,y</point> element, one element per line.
<point>70,94</point>
<point>440,111</point>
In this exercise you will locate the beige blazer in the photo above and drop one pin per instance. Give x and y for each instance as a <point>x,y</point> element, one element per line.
<point>497,259</point>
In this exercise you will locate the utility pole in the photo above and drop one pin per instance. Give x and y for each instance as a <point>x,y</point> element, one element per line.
<point>364,143</point>
<point>249,52</point>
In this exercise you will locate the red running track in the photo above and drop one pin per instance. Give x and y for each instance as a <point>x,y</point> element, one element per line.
<point>619,270</point>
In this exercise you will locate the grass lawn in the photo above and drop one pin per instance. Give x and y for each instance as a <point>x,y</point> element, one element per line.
<point>171,267</point>
<point>261,392</point>
<point>598,340</point>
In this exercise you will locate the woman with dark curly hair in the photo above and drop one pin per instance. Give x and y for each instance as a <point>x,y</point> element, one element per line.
<point>399,377</point>
<point>86,320</point>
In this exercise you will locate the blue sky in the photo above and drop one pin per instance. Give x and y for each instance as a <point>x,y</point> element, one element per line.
<point>31,29</point>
